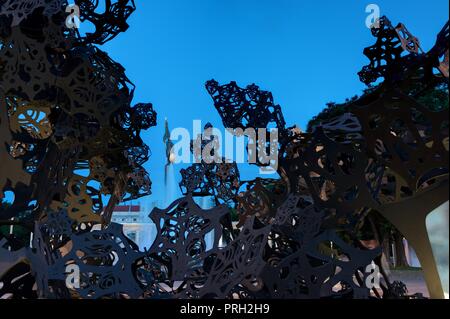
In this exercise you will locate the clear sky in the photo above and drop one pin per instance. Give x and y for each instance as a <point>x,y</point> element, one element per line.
<point>307,53</point>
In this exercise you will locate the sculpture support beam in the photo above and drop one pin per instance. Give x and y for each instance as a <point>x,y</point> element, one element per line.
<point>410,219</point>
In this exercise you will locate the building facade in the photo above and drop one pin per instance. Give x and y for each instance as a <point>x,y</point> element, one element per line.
<point>136,224</point>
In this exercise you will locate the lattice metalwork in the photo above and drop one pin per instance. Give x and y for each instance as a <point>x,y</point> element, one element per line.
<point>69,138</point>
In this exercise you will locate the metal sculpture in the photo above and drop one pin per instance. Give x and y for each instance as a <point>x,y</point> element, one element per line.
<point>69,138</point>
<point>70,142</point>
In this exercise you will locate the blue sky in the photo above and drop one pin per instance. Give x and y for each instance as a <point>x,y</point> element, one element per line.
<point>307,53</point>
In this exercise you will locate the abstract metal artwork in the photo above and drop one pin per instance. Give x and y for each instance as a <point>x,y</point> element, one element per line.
<point>70,150</point>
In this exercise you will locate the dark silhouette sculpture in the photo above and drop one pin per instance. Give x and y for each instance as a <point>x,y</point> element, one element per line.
<point>70,145</point>
<point>69,138</point>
